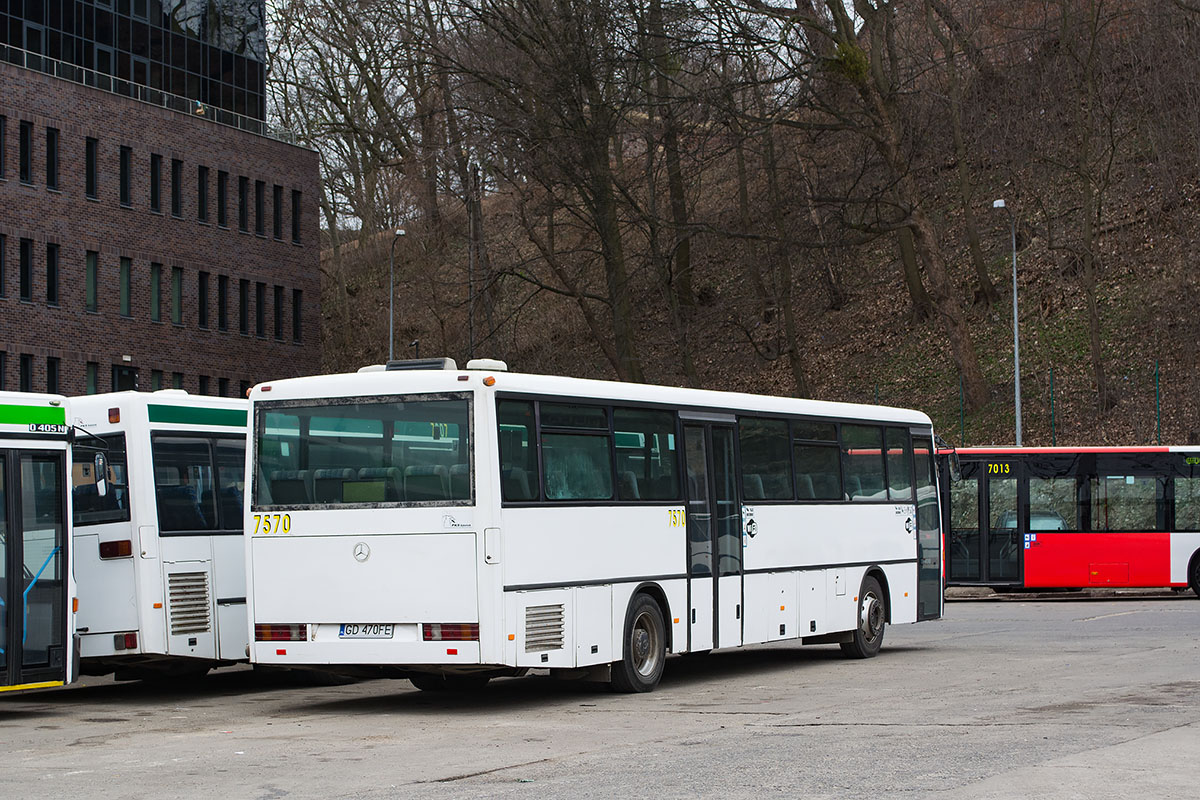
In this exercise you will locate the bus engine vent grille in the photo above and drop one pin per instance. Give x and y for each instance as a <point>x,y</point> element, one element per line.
<point>188,593</point>
<point>543,628</point>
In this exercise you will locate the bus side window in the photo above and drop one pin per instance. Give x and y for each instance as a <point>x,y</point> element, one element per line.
<point>647,463</point>
<point>766,463</point>
<point>89,506</point>
<point>899,469</point>
<point>518,459</point>
<point>862,462</point>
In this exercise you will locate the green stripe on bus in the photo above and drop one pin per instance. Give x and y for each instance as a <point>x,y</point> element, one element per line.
<point>187,415</point>
<point>33,415</point>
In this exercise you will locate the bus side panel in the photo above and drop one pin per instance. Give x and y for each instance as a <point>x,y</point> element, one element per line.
<point>107,595</point>
<point>902,592</point>
<point>1080,560</point>
<point>229,584</point>
<point>1183,547</point>
<point>790,536</point>
<point>772,607</point>
<point>187,573</point>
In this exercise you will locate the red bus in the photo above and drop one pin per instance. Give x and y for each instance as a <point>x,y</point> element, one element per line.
<point>1073,517</point>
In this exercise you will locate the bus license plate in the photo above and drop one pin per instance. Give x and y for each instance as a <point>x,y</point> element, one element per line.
<point>366,631</point>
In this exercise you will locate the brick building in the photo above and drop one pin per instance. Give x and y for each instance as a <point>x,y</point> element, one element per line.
<point>152,232</point>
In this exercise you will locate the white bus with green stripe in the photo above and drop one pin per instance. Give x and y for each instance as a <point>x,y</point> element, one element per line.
<point>159,556</point>
<point>36,586</point>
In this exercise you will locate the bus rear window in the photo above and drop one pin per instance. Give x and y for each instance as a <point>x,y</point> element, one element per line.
<point>349,452</point>
<point>90,506</point>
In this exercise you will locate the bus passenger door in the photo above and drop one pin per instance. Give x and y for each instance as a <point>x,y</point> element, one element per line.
<point>714,538</point>
<point>985,529</point>
<point>33,580</point>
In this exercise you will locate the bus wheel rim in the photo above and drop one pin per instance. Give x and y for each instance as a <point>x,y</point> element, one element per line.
<point>871,620</point>
<point>644,645</point>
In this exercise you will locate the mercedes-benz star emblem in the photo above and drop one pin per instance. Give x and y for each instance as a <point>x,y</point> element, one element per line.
<point>361,552</point>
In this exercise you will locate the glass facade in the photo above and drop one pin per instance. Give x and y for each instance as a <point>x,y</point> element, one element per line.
<point>209,51</point>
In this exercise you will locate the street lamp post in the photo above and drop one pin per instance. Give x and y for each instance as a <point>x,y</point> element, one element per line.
<point>1016,335</point>
<point>392,294</point>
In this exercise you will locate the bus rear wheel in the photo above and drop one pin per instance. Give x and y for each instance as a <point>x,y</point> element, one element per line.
<point>1194,573</point>
<point>644,647</point>
<point>872,620</point>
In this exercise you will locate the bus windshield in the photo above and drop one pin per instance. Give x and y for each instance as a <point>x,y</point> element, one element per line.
<point>354,451</point>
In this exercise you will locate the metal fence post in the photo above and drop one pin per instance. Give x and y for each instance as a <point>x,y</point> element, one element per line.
<point>1053,433</point>
<point>1157,403</point>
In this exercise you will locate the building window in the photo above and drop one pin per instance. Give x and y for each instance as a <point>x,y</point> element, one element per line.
<point>3,147</point>
<point>222,198</point>
<point>25,155</point>
<point>203,384</point>
<point>26,376</point>
<point>156,292</point>
<point>155,380</point>
<point>176,380</point>
<point>202,194</point>
<point>93,377</point>
<point>277,202</point>
<point>126,287</point>
<point>177,295</point>
<point>297,303</point>
<point>278,297</point>
<point>52,367</point>
<point>89,168</point>
<point>156,182</point>
<point>3,265</point>
<point>3,366</point>
<point>222,387</point>
<point>223,302</point>
<point>176,187</point>
<point>260,309</point>
<point>91,268</point>
<point>260,212</point>
<point>27,271</point>
<point>202,292</point>
<point>126,166</point>
<point>51,158</point>
<point>51,274</point>
<point>243,204</point>
<point>296,216</point>
<point>244,306</point>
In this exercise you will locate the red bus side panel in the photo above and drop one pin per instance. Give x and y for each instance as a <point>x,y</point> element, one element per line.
<point>1080,560</point>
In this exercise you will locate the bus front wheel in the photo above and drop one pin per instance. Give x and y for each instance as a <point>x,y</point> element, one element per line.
<point>872,619</point>
<point>1194,573</point>
<point>644,647</point>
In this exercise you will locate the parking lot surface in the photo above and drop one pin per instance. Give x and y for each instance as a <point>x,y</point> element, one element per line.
<point>1033,699</point>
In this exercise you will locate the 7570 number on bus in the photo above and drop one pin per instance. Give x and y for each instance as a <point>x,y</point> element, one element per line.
<point>272,523</point>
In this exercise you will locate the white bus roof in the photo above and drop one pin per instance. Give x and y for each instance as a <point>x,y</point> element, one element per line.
<point>382,383</point>
<point>167,407</point>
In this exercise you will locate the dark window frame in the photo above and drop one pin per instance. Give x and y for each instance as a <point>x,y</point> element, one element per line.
<point>156,183</point>
<point>52,139</point>
<point>126,176</point>
<point>25,152</point>
<point>53,273</point>
<point>91,182</point>
<point>177,188</point>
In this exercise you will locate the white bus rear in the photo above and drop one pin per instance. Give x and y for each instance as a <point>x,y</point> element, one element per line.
<point>159,558</point>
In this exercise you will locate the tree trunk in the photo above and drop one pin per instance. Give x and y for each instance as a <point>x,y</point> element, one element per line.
<point>922,303</point>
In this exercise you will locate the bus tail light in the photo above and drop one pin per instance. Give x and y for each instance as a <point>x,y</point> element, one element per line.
<point>125,641</point>
<point>114,415</point>
<point>122,548</point>
<point>280,633</point>
<point>450,631</point>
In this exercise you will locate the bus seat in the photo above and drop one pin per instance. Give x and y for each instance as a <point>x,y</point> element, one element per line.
<point>290,487</point>
<point>627,485</point>
<point>426,482</point>
<point>804,487</point>
<point>460,482</point>
<point>179,509</point>
<point>515,484</point>
<point>752,486</point>
<point>375,485</point>
<point>825,486</point>
<point>327,484</point>
<point>853,487</point>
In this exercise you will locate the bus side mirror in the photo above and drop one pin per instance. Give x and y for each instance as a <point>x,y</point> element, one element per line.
<point>101,475</point>
<point>955,467</point>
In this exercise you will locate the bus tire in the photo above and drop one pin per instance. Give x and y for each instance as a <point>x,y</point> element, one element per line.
<point>644,647</point>
<point>872,620</point>
<point>1194,573</point>
<point>449,683</point>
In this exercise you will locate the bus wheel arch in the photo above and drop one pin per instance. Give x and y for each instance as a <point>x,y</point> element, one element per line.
<point>643,645</point>
<point>880,576</point>
<point>1193,573</point>
<point>871,619</point>
<point>657,594</point>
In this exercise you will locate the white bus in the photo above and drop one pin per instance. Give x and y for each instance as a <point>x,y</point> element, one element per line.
<point>159,557</point>
<point>37,592</point>
<point>451,525</point>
